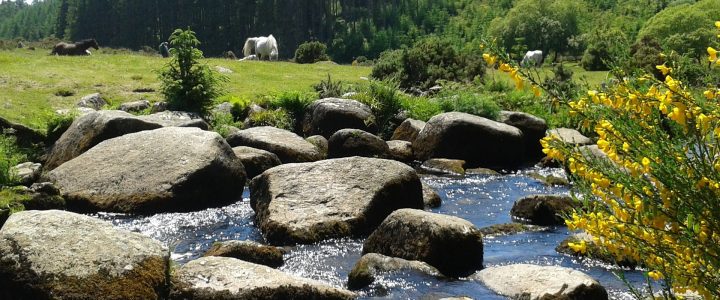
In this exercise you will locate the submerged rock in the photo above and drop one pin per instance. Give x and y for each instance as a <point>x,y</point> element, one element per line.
<point>478,141</point>
<point>507,228</point>
<point>372,264</point>
<point>355,142</point>
<point>526,281</point>
<point>444,166</point>
<point>196,169</point>
<point>249,251</point>
<point>544,210</point>
<point>452,245</point>
<point>309,202</point>
<point>62,255</point>
<point>327,116</point>
<point>229,278</point>
<point>289,147</point>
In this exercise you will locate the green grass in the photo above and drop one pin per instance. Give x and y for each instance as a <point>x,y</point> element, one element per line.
<point>593,78</point>
<point>32,82</point>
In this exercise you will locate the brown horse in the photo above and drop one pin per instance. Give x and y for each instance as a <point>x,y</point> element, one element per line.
<point>79,48</point>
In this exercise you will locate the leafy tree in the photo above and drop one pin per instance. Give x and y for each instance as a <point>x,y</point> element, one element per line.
<point>684,28</point>
<point>187,84</point>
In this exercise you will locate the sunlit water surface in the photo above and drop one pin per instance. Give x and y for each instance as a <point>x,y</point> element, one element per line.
<point>481,199</point>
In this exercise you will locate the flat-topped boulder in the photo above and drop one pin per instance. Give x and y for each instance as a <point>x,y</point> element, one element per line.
<point>176,119</point>
<point>476,140</point>
<point>408,130</point>
<point>372,264</point>
<point>525,281</point>
<point>91,129</point>
<point>544,210</point>
<point>356,142</point>
<point>452,245</point>
<point>532,127</point>
<point>309,202</point>
<point>61,255</point>
<point>229,278</point>
<point>249,251</point>
<point>167,169</point>
<point>443,166</point>
<point>288,146</point>
<point>326,116</point>
<point>256,161</point>
<point>570,136</point>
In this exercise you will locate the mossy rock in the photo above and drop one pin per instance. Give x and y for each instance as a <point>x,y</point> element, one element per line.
<point>507,229</point>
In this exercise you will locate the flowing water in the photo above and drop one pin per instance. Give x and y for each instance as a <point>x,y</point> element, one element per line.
<point>481,199</point>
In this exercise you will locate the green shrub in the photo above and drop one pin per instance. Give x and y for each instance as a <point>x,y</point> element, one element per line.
<point>10,156</point>
<point>311,52</point>
<point>329,88</point>
<point>294,104</point>
<point>430,60</point>
<point>277,118</point>
<point>420,108</point>
<point>58,124</point>
<point>220,122</point>
<point>186,84</point>
<point>470,102</point>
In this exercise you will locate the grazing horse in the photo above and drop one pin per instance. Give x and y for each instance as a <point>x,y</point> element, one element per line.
<point>264,47</point>
<point>534,58</point>
<point>164,51</point>
<point>79,48</point>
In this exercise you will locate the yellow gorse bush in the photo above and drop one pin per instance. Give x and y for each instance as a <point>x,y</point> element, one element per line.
<point>655,198</point>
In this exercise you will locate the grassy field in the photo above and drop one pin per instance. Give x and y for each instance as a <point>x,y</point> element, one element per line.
<point>32,83</point>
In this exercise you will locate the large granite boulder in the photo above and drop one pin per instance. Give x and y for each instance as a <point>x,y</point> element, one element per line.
<point>524,281</point>
<point>355,142</point>
<point>167,169</point>
<point>256,161</point>
<point>309,202</point>
<point>452,245</point>
<point>543,210</point>
<point>229,278</point>
<point>61,255</point>
<point>372,264</point>
<point>249,251</point>
<point>289,147</point>
<point>408,130</point>
<point>326,116</point>
<point>478,141</point>
<point>532,127</point>
<point>91,129</point>
<point>570,136</point>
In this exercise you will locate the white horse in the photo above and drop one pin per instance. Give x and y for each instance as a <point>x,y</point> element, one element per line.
<point>532,57</point>
<point>264,47</point>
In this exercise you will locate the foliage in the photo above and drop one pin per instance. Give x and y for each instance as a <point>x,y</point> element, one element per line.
<point>277,118</point>
<point>653,196</point>
<point>428,61</point>
<point>420,108</point>
<point>605,44</point>
<point>58,124</point>
<point>645,55</point>
<point>221,122</point>
<point>188,85</point>
<point>29,22</point>
<point>329,88</point>
<point>10,156</point>
<point>469,101</point>
<point>311,52</point>
<point>294,105</point>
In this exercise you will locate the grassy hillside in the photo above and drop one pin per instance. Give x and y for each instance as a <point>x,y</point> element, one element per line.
<point>32,83</point>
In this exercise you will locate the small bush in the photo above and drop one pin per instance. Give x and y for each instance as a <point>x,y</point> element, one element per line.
<point>311,52</point>
<point>10,156</point>
<point>57,125</point>
<point>470,102</point>
<point>220,122</point>
<point>186,84</point>
<point>277,118</point>
<point>420,108</point>
<point>329,88</point>
<point>294,104</point>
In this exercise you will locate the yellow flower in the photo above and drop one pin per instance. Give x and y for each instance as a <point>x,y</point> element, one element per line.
<point>490,59</point>
<point>655,275</point>
<point>536,91</point>
<point>580,247</point>
<point>717,24</point>
<point>713,54</point>
<point>709,94</point>
<point>505,68</point>
<point>664,69</point>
